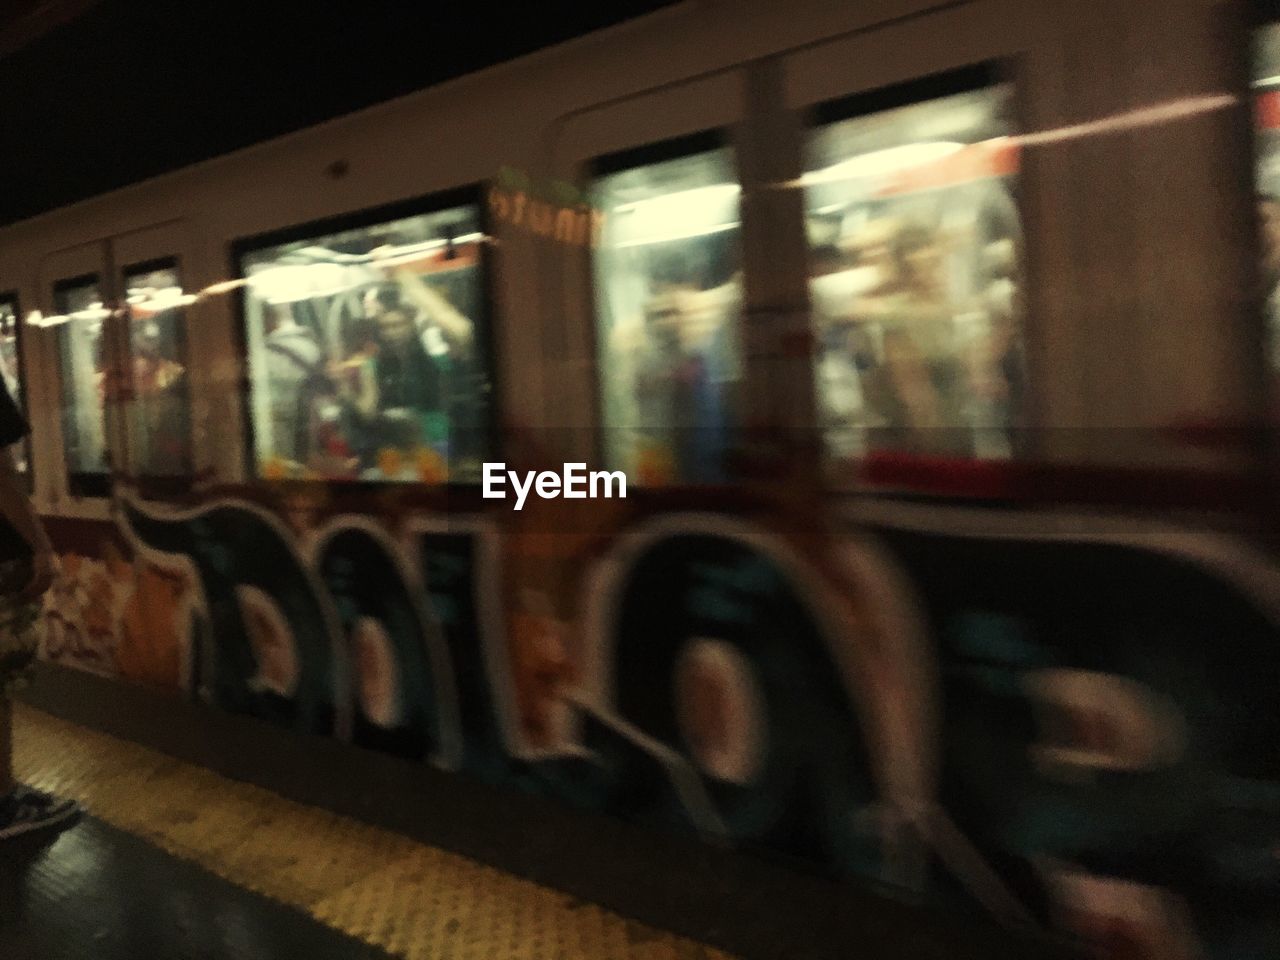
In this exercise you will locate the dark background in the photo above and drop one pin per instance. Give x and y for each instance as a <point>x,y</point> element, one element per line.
<point>98,94</point>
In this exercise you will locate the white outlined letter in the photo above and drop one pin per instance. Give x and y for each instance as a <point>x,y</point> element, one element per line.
<point>493,478</point>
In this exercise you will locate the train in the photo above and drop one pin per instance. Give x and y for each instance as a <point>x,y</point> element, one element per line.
<point>933,341</point>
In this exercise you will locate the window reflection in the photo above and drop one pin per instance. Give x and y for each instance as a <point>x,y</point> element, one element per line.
<point>668,294</point>
<point>159,407</point>
<point>914,250</point>
<point>11,370</point>
<point>84,375</point>
<point>365,355</point>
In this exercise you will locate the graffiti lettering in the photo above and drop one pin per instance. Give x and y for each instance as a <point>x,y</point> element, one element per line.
<point>399,659</point>
<point>231,546</point>
<point>1049,713</point>
<point>557,210</point>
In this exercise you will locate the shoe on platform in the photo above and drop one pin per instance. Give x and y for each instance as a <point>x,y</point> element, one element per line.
<point>26,810</point>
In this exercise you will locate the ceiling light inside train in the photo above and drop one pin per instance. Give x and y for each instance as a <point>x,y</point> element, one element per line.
<point>166,298</point>
<point>879,163</point>
<point>411,253</point>
<point>95,311</point>
<point>674,216</point>
<point>36,319</point>
<point>291,283</point>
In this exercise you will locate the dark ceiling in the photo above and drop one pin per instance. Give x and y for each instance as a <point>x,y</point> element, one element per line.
<point>127,89</point>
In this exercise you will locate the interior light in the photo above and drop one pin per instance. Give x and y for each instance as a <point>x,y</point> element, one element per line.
<point>680,199</point>
<point>882,162</point>
<point>675,216</point>
<point>168,298</point>
<point>407,253</point>
<point>386,253</point>
<point>292,282</point>
<point>677,234</point>
<point>330,273</point>
<point>95,311</point>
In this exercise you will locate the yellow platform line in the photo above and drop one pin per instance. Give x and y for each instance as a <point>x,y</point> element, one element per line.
<point>410,899</point>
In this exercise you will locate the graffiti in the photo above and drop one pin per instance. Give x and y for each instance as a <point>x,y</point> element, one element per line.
<point>1062,724</point>
<point>556,210</point>
<point>761,669</point>
<point>404,692</point>
<point>1106,695</point>
<point>117,617</point>
<point>231,546</point>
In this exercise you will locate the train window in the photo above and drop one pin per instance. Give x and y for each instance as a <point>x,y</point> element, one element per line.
<point>11,370</point>
<point>85,364</point>
<point>668,291</point>
<point>367,351</point>
<point>1266,79</point>
<point>914,242</point>
<point>159,405</point>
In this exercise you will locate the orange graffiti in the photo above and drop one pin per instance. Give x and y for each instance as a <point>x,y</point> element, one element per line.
<point>149,649</point>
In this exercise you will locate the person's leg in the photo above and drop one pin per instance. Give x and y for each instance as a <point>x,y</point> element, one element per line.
<point>23,810</point>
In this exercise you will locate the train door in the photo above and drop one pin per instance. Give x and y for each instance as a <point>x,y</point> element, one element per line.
<point>76,287</point>
<point>719,633</point>
<point>116,313</point>
<point>152,284</point>
<point>887,241</point>
<point>664,178</point>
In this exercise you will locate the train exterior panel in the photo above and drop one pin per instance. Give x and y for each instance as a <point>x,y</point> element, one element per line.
<point>987,616</point>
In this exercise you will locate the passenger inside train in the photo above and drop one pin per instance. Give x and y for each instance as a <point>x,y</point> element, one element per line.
<point>914,257</point>
<point>159,412</point>
<point>10,365</point>
<point>668,294</point>
<point>85,361</point>
<point>365,356</point>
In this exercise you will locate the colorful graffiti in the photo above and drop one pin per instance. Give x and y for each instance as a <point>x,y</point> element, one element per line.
<point>553,210</point>
<point>1057,719</point>
<point>116,617</point>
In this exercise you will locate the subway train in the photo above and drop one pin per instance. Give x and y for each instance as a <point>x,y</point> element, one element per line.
<point>931,343</point>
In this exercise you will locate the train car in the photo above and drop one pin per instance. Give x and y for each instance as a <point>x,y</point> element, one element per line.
<point>932,346</point>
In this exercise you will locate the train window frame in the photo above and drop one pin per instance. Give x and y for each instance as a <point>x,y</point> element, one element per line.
<point>705,140</point>
<point>971,477</point>
<point>85,484</point>
<point>471,194</point>
<point>149,485</point>
<point>13,299</point>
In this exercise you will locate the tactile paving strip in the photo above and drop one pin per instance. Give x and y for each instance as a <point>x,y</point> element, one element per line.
<point>412,900</point>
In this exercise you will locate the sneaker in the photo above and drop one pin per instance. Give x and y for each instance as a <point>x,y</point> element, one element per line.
<point>24,810</point>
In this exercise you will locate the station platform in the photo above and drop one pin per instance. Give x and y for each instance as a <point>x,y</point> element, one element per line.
<point>206,835</point>
<point>172,860</point>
